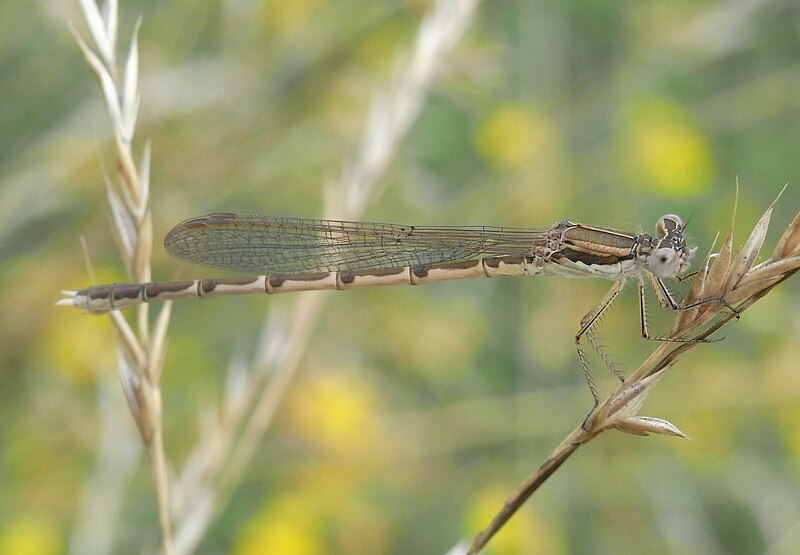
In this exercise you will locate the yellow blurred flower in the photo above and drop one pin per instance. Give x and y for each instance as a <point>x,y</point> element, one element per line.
<point>77,345</point>
<point>662,149</point>
<point>286,527</point>
<point>30,536</point>
<point>335,411</point>
<point>319,515</point>
<point>514,137</point>
<point>524,533</point>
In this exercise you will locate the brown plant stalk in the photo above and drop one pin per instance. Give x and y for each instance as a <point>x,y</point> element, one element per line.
<point>730,285</point>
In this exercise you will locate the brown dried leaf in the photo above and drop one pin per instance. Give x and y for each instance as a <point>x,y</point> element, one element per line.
<point>697,290</point>
<point>129,177</point>
<point>131,385</point>
<point>158,341</point>
<point>789,244</point>
<point>144,248</point>
<point>744,292</point>
<point>128,341</point>
<point>763,278</point>
<point>123,226</point>
<point>646,425</point>
<point>626,403</point>
<point>717,275</point>
<point>144,180</point>
<point>771,269</point>
<point>686,318</point>
<point>749,251</point>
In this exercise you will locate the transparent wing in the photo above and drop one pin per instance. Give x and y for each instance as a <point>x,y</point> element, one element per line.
<point>285,245</point>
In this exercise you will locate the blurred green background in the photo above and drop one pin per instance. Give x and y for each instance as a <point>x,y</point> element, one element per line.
<point>416,410</point>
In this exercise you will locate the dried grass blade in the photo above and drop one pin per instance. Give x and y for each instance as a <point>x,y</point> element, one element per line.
<point>110,94</point>
<point>125,230</point>
<point>97,29</point>
<point>87,260</point>
<point>698,289</point>
<point>744,292</point>
<point>789,244</point>
<point>128,174</point>
<point>685,317</point>
<point>749,251</point>
<point>718,273</point>
<point>629,400</point>
<point>158,341</point>
<point>144,248</point>
<point>130,98</point>
<point>131,386</point>
<point>128,341</point>
<point>111,12</point>
<point>646,425</point>
<point>144,178</point>
<point>91,58</point>
<point>774,269</point>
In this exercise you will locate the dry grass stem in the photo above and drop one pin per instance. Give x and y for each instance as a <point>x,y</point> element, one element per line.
<point>391,115</point>
<point>220,457</point>
<point>103,495</point>
<point>228,444</point>
<point>727,282</point>
<point>140,356</point>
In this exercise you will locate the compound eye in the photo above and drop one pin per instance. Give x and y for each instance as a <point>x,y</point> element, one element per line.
<point>664,262</point>
<point>667,224</point>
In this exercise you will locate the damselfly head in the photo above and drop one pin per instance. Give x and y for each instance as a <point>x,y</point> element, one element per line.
<point>670,255</point>
<point>669,224</point>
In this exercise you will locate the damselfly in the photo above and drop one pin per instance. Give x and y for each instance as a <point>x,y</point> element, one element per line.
<point>295,254</point>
